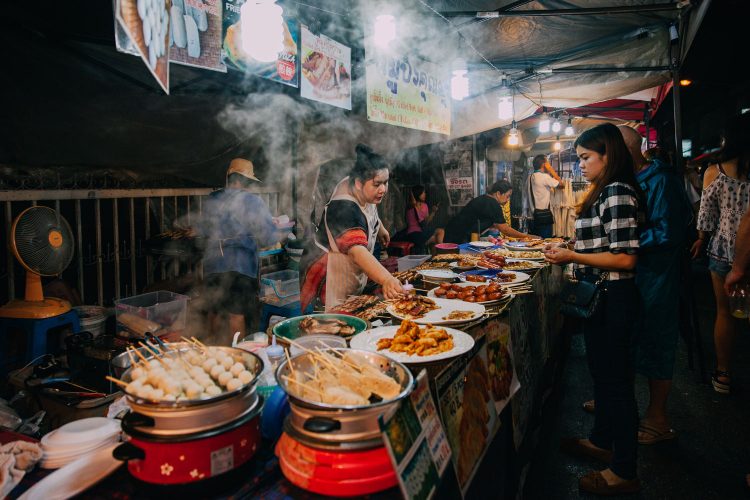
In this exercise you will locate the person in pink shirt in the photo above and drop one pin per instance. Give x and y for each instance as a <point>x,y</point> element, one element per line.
<point>418,218</point>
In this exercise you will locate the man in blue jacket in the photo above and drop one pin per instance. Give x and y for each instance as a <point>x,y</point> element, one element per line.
<point>662,241</point>
<point>236,224</point>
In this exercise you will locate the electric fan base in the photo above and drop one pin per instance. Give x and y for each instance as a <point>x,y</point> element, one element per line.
<point>34,309</point>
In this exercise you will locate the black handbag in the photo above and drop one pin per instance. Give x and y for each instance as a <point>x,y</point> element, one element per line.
<point>542,217</point>
<point>581,298</point>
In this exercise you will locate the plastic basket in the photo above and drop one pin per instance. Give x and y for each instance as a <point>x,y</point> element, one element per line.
<point>280,285</point>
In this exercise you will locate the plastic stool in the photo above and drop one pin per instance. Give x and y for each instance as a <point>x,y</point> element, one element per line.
<point>289,310</point>
<point>404,247</point>
<point>36,330</point>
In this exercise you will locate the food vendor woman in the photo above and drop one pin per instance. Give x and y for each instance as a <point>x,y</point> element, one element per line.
<point>341,261</point>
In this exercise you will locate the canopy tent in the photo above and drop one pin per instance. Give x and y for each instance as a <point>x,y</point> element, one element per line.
<point>71,99</point>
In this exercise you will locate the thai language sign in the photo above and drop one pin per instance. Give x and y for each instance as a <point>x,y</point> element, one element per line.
<point>407,91</point>
<point>326,70</point>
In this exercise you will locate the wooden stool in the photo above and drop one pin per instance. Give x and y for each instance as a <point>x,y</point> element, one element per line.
<point>403,247</point>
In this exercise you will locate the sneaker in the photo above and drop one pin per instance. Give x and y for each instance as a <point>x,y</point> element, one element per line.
<point>720,386</point>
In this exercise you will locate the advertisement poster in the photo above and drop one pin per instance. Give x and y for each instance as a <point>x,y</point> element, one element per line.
<point>504,382</point>
<point>284,70</point>
<point>326,70</point>
<point>458,171</point>
<point>468,411</point>
<point>146,23</point>
<point>196,34</point>
<point>407,91</point>
<point>416,443</point>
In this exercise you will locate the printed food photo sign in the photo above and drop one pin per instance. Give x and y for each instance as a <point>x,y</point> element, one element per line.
<point>196,34</point>
<point>284,70</point>
<point>407,91</point>
<point>146,23</point>
<point>326,70</point>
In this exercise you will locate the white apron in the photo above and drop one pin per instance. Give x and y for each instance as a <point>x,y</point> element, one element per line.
<point>344,277</point>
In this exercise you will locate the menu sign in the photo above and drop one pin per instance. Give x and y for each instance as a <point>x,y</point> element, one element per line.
<point>416,442</point>
<point>468,411</point>
<point>326,70</point>
<point>458,171</point>
<point>284,70</point>
<point>407,91</point>
<point>197,34</point>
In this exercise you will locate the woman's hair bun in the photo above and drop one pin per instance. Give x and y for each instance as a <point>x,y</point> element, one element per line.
<point>363,149</point>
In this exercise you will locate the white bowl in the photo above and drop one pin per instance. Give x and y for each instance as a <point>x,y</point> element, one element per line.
<point>438,274</point>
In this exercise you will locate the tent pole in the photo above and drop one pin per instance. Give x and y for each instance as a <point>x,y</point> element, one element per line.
<point>295,166</point>
<point>674,48</point>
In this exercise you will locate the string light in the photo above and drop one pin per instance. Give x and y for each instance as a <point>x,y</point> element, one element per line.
<point>544,121</point>
<point>384,30</point>
<point>557,146</point>
<point>459,81</point>
<point>569,129</point>
<point>262,29</point>
<point>513,135</point>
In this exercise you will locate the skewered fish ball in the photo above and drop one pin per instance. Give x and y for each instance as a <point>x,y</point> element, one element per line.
<point>137,373</point>
<point>234,384</point>
<point>237,368</point>
<point>209,364</point>
<point>224,378</point>
<point>213,390</point>
<point>245,377</point>
<point>227,363</point>
<point>217,370</point>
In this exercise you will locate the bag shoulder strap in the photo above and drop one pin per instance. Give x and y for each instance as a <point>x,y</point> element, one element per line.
<point>531,190</point>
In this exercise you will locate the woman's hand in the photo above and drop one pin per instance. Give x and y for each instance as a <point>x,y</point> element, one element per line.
<point>733,278</point>
<point>393,289</point>
<point>383,237</point>
<point>559,256</point>
<point>697,248</point>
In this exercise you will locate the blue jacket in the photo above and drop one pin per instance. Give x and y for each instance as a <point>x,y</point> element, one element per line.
<point>235,224</point>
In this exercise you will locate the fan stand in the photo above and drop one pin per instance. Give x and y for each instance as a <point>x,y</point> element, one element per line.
<point>35,305</point>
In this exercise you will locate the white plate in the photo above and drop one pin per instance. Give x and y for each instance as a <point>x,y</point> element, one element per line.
<point>368,341</point>
<point>438,274</point>
<point>456,266</point>
<point>529,268</point>
<point>75,477</point>
<point>520,278</point>
<point>81,431</point>
<point>445,307</point>
<point>481,244</point>
<point>507,295</point>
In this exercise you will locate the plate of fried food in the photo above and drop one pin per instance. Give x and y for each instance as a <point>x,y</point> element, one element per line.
<point>477,293</point>
<point>436,311</point>
<point>411,343</point>
<point>519,253</point>
<point>521,265</point>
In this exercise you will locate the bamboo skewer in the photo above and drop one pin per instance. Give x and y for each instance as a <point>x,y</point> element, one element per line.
<point>303,385</point>
<point>289,361</point>
<point>138,353</point>
<point>132,358</point>
<point>116,381</point>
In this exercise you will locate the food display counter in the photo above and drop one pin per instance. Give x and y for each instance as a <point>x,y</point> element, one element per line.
<point>488,400</point>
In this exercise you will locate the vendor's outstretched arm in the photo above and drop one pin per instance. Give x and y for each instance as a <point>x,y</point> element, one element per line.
<point>375,271</point>
<point>509,231</point>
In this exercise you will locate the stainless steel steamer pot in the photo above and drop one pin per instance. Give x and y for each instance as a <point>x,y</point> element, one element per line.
<point>338,423</point>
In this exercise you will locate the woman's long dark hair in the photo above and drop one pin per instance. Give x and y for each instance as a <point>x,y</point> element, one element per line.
<point>619,167</point>
<point>417,191</point>
<point>367,165</point>
<point>736,144</point>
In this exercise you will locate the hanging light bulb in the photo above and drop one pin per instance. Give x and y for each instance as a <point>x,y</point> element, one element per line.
<point>459,81</point>
<point>556,125</point>
<point>569,129</point>
<point>262,29</point>
<point>544,122</point>
<point>513,135</point>
<point>384,30</point>
<point>557,146</point>
<point>505,108</point>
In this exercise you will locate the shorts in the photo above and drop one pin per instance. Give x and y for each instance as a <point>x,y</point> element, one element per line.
<point>232,292</point>
<point>719,267</point>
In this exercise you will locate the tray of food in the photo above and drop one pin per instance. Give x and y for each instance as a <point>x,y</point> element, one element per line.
<point>436,311</point>
<point>478,293</point>
<point>495,276</point>
<point>367,307</point>
<point>516,254</point>
<point>313,324</point>
<point>410,343</point>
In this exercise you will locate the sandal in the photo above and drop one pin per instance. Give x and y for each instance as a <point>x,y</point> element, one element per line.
<point>589,406</point>
<point>719,386</point>
<point>653,434</point>
<point>594,482</point>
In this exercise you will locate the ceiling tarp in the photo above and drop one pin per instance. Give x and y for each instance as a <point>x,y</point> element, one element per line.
<point>70,99</point>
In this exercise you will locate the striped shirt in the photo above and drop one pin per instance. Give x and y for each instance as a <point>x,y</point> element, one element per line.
<point>610,225</point>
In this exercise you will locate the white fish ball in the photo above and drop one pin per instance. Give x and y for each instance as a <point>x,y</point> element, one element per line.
<point>205,381</point>
<point>224,378</point>
<point>137,373</point>
<point>234,384</point>
<point>227,363</point>
<point>157,394</point>
<point>208,364</point>
<point>213,390</point>
<point>154,363</point>
<point>217,370</point>
<point>245,377</point>
<point>133,387</point>
<point>170,397</point>
<point>197,372</point>
<point>237,368</point>
<point>193,391</point>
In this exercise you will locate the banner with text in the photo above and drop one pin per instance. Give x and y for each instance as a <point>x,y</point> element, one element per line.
<point>326,70</point>
<point>407,91</point>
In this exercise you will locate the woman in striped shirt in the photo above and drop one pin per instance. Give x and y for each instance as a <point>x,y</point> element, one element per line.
<point>605,248</point>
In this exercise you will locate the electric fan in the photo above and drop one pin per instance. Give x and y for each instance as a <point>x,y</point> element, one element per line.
<point>42,241</point>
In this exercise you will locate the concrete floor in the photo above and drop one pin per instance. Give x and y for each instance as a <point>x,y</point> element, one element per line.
<point>709,458</point>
